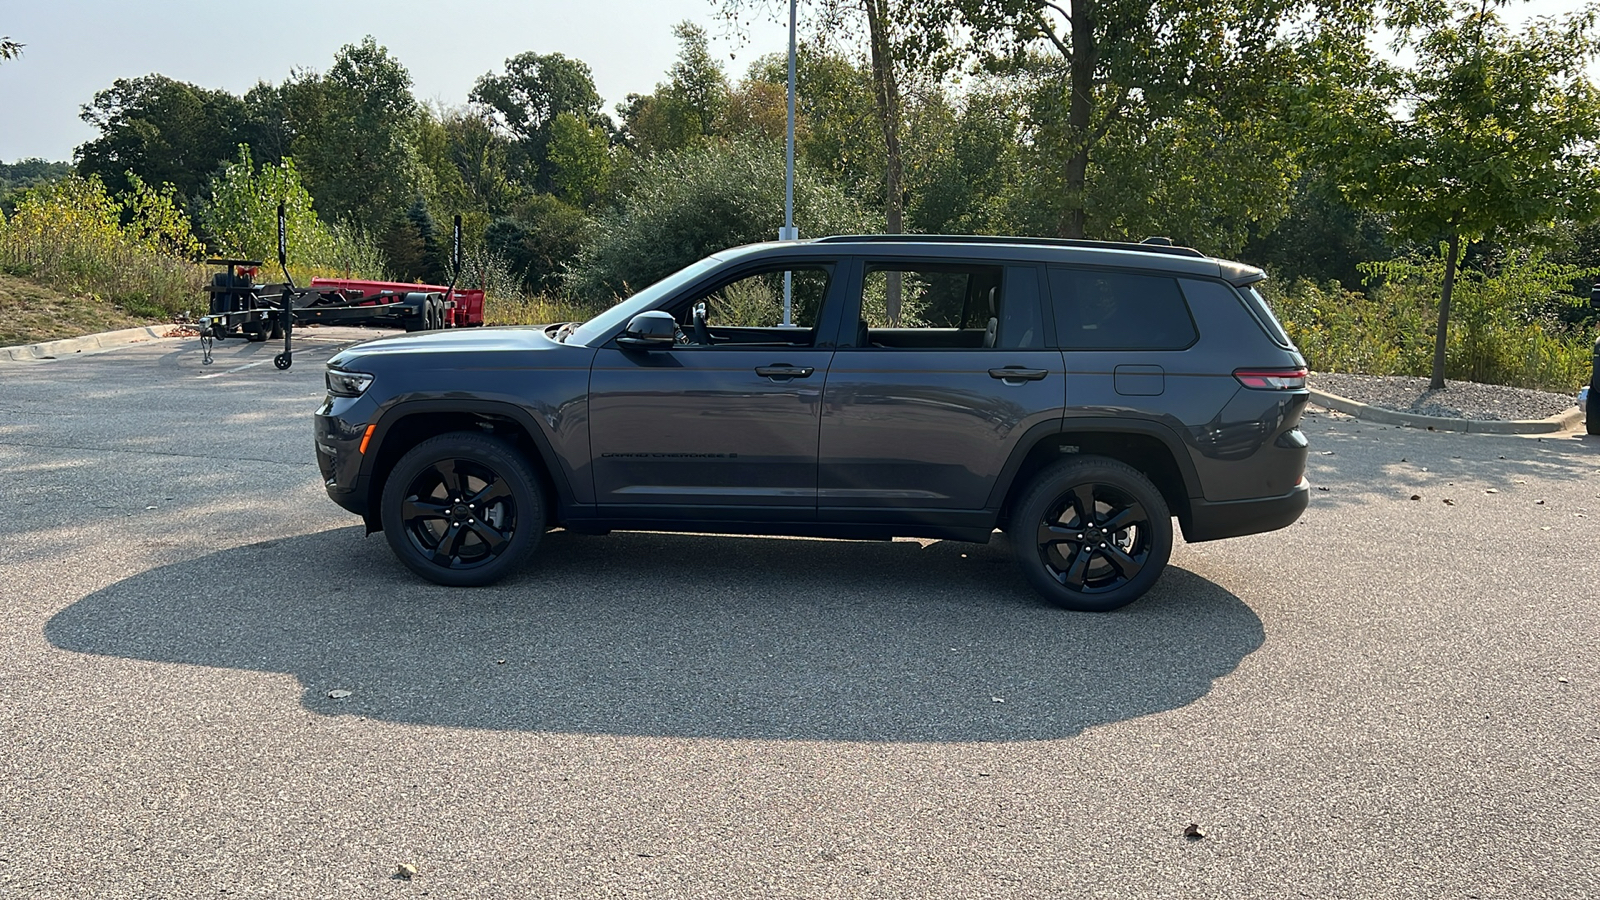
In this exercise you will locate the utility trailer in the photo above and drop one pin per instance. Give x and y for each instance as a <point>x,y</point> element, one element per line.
<point>261,312</point>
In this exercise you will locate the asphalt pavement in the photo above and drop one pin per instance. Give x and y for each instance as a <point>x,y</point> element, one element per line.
<point>212,683</point>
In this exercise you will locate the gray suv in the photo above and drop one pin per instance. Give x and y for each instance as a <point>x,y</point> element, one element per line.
<point>1078,395</point>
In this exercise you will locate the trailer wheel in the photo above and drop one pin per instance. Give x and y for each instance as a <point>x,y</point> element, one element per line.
<point>438,314</point>
<point>462,509</point>
<point>283,360</point>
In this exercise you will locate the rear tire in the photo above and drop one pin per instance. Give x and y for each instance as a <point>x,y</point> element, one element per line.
<point>462,509</point>
<point>1091,534</point>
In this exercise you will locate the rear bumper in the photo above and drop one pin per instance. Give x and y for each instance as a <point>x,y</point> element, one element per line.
<point>1208,521</point>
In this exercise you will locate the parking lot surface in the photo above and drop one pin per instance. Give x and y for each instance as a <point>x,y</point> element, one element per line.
<point>212,683</point>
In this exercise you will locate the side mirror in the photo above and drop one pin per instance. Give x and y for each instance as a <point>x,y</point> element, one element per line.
<point>1594,297</point>
<point>653,330</point>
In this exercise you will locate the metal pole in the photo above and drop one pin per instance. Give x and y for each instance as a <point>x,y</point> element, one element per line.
<point>789,232</point>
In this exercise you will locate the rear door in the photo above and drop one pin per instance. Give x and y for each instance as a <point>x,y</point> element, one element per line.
<point>948,368</point>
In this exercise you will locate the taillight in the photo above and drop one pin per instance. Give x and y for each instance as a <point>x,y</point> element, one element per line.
<point>1291,379</point>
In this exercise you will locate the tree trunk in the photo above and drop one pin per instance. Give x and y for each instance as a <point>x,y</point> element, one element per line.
<point>1452,253</point>
<point>886,90</point>
<point>1080,114</point>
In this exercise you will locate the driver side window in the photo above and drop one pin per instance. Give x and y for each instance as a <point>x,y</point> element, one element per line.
<point>750,309</point>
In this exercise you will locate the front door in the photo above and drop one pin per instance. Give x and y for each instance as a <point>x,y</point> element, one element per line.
<point>724,423</point>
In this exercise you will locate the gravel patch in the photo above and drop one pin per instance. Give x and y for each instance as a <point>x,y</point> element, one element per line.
<point>1456,400</point>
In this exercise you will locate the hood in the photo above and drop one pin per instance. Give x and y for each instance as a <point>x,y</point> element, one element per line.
<point>430,348</point>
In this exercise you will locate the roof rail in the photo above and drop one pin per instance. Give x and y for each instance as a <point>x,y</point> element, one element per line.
<point>1166,249</point>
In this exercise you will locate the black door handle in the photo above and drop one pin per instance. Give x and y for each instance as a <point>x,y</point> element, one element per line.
<point>1018,373</point>
<point>784,371</point>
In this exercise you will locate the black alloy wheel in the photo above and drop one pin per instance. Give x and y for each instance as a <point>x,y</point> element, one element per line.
<point>462,509</point>
<point>1092,534</point>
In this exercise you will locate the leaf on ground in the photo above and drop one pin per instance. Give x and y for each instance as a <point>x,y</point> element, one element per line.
<point>338,694</point>
<point>1416,496</point>
<point>406,871</point>
<point>1449,502</point>
<point>1193,832</point>
<point>1492,491</point>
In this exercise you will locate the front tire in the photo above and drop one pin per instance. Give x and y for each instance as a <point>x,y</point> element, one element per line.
<point>1092,534</point>
<point>462,509</point>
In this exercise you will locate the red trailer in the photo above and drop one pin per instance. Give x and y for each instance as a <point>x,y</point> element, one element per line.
<point>463,307</point>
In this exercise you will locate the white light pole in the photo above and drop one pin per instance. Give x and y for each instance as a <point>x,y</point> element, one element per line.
<point>789,232</point>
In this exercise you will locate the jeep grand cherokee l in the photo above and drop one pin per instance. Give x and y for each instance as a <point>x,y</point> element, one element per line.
<point>1078,395</point>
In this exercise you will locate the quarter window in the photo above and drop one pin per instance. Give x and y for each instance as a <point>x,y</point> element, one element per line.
<point>1097,310</point>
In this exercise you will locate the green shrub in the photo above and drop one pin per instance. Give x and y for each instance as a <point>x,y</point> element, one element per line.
<point>683,206</point>
<point>1505,325</point>
<point>135,250</point>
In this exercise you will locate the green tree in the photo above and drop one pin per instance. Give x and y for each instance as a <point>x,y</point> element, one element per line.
<point>904,42</point>
<point>241,218</point>
<point>685,109</point>
<point>683,206</point>
<point>163,131</point>
<point>1322,238</point>
<point>1488,133</point>
<point>580,161</point>
<point>836,126</point>
<point>1154,89</point>
<point>527,99</point>
<point>963,162</point>
<point>352,133</point>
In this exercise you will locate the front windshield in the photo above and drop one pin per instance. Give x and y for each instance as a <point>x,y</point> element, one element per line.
<point>599,327</point>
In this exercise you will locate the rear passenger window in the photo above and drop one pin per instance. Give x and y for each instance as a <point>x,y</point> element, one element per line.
<point>1119,311</point>
<point>939,306</point>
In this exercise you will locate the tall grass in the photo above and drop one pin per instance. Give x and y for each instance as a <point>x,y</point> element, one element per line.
<point>504,301</point>
<point>138,250</point>
<point>1516,325</point>
<point>70,236</point>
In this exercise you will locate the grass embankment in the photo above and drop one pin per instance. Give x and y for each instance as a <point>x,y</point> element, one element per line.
<point>31,313</point>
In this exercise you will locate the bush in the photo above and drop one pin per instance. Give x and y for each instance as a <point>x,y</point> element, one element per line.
<point>537,239</point>
<point>683,206</point>
<point>135,250</point>
<point>1510,325</point>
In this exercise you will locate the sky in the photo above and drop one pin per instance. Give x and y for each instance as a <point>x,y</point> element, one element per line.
<point>77,47</point>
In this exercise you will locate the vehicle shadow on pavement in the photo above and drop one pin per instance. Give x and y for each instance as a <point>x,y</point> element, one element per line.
<point>681,635</point>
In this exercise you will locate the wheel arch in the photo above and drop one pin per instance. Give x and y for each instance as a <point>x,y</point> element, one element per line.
<point>407,424</point>
<point>1150,447</point>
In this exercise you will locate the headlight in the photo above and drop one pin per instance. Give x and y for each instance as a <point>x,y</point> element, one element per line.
<point>348,384</point>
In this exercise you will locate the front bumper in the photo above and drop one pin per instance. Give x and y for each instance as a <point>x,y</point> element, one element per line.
<point>337,434</point>
<point>1211,521</point>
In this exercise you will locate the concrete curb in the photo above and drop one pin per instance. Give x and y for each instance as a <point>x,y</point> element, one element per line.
<point>105,340</point>
<point>1569,419</point>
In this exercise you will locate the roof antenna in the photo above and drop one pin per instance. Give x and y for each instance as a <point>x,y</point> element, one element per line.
<point>1159,241</point>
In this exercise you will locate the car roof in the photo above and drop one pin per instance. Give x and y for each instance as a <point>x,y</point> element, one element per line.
<point>1110,254</point>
